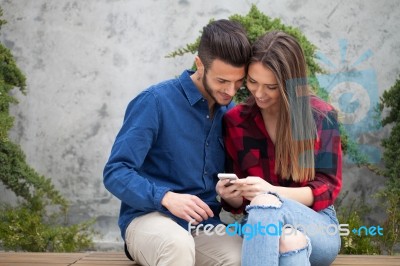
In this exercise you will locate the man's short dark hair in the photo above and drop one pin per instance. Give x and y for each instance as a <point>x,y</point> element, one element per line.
<point>225,40</point>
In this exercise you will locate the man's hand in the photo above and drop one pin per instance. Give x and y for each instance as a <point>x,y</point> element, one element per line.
<point>187,207</point>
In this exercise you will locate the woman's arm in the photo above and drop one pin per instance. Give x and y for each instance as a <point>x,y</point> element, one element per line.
<point>303,195</point>
<point>231,200</point>
<point>328,163</point>
<point>252,186</point>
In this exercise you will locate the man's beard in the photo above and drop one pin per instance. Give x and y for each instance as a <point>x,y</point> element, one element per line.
<point>207,88</point>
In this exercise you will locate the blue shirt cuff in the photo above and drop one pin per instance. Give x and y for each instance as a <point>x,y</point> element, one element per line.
<point>159,195</point>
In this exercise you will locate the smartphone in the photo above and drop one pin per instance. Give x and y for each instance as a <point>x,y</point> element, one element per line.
<point>223,176</point>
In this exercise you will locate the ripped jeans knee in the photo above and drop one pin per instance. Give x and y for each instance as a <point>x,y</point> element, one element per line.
<point>300,256</point>
<point>268,199</point>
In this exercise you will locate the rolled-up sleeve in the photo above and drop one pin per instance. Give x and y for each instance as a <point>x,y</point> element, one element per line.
<point>328,162</point>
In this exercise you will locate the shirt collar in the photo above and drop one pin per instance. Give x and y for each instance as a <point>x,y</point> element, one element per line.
<point>189,88</point>
<point>249,112</point>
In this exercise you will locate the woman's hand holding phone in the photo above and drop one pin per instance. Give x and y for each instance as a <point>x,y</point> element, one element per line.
<point>228,190</point>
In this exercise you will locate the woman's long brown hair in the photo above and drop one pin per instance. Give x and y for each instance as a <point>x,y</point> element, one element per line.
<point>296,129</point>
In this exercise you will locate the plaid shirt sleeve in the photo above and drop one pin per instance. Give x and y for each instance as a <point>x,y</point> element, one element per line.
<point>233,136</point>
<point>328,162</point>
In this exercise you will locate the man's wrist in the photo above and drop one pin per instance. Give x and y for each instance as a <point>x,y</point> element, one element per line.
<point>164,200</point>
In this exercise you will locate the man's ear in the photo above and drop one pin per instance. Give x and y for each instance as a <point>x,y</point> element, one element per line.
<point>199,64</point>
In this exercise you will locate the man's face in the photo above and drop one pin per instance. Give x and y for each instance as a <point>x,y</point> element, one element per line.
<point>221,81</point>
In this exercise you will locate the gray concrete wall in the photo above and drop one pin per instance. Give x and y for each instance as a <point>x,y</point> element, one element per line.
<point>85,60</point>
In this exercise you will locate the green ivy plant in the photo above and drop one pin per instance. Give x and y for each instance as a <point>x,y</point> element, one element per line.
<point>38,223</point>
<point>390,195</point>
<point>354,214</point>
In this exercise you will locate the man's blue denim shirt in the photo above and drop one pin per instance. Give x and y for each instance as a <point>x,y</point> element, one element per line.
<point>167,143</point>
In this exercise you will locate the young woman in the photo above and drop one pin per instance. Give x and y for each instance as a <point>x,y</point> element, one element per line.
<point>284,145</point>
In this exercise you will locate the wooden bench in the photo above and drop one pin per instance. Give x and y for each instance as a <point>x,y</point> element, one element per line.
<point>118,258</point>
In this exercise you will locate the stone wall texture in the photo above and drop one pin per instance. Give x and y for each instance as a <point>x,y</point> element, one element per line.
<point>85,60</point>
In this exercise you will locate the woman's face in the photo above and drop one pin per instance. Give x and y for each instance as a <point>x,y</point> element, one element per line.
<point>262,84</point>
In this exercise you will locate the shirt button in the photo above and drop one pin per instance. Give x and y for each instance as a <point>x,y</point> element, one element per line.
<point>208,116</point>
<point>207,143</point>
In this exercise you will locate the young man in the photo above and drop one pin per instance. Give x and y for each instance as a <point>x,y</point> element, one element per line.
<point>165,160</point>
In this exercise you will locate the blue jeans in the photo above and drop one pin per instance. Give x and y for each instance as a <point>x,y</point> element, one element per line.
<point>261,247</point>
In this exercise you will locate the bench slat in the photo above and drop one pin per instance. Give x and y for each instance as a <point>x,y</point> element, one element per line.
<point>118,258</point>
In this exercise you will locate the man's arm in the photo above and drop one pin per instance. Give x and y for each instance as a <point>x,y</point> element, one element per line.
<point>133,142</point>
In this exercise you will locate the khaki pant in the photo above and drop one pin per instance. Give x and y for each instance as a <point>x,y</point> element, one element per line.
<point>155,239</point>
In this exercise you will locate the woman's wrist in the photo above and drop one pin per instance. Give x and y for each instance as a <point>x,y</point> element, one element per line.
<point>272,188</point>
<point>235,202</point>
